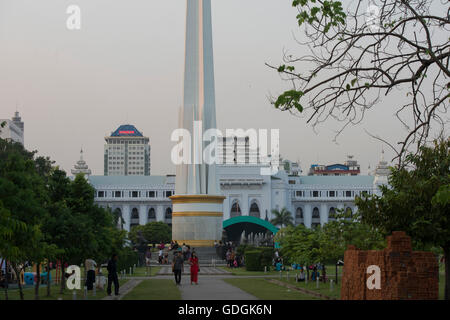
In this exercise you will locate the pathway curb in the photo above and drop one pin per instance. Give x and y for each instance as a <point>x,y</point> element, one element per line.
<point>126,288</point>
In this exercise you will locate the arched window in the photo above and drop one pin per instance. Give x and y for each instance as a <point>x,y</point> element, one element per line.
<point>151,215</point>
<point>299,216</point>
<point>118,215</point>
<point>315,218</point>
<point>331,214</point>
<point>168,215</point>
<point>135,214</point>
<point>254,210</point>
<point>235,210</point>
<point>316,213</point>
<point>134,217</point>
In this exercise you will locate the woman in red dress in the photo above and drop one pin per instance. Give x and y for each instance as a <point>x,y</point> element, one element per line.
<point>193,261</point>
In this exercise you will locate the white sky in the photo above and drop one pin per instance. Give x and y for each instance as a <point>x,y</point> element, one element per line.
<point>126,65</point>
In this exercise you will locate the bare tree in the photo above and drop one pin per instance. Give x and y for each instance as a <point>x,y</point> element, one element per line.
<point>372,49</point>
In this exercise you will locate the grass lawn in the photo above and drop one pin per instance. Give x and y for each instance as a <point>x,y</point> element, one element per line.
<point>243,272</point>
<point>140,272</point>
<point>154,289</point>
<point>324,288</point>
<point>264,290</point>
<point>28,292</point>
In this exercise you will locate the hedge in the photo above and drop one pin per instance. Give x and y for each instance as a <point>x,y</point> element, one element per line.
<point>126,258</point>
<point>266,256</point>
<point>253,261</point>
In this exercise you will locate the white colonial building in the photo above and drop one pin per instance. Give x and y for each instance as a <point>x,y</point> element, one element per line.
<point>13,129</point>
<point>310,199</point>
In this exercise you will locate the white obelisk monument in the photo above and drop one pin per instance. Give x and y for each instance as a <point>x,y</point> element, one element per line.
<point>197,206</point>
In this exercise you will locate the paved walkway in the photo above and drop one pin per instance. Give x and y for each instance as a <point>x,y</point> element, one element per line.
<point>123,290</point>
<point>211,288</point>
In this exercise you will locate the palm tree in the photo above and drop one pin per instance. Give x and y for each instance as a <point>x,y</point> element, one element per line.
<point>282,218</point>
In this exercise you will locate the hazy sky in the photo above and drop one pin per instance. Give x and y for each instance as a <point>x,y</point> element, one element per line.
<point>126,65</point>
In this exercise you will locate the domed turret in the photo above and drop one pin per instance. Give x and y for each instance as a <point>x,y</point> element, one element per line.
<point>81,166</point>
<point>381,172</point>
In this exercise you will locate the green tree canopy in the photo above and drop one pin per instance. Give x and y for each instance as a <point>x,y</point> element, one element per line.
<point>152,232</point>
<point>416,201</point>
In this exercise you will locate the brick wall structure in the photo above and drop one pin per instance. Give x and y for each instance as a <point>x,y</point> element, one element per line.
<point>405,274</point>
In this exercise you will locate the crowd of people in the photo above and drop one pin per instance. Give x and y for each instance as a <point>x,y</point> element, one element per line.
<point>311,272</point>
<point>227,251</point>
<point>306,272</point>
<point>181,255</point>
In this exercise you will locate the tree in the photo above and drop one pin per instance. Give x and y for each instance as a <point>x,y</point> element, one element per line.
<point>53,217</point>
<point>282,218</point>
<point>22,192</point>
<point>416,201</point>
<point>299,245</point>
<point>392,48</point>
<point>347,229</point>
<point>8,226</point>
<point>152,232</point>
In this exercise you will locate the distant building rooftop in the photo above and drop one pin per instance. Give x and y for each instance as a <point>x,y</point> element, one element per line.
<point>130,181</point>
<point>337,180</point>
<point>126,130</point>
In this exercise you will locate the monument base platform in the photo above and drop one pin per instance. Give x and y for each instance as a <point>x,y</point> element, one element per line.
<point>197,219</point>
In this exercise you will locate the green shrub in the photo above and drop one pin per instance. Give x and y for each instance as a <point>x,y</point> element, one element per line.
<point>266,256</point>
<point>243,248</point>
<point>253,261</point>
<point>126,258</point>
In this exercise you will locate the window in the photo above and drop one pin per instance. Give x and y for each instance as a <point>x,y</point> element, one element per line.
<point>332,214</point>
<point>151,214</point>
<point>299,216</point>
<point>151,194</point>
<point>169,194</point>
<point>299,193</point>
<point>316,213</point>
<point>135,213</point>
<point>235,210</point>
<point>332,194</point>
<point>117,194</point>
<point>101,194</point>
<point>348,194</point>
<point>135,194</point>
<point>291,181</point>
<point>254,210</point>
<point>168,215</point>
<point>315,194</point>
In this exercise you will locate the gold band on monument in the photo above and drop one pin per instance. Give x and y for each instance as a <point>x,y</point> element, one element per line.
<point>201,198</point>
<point>197,214</point>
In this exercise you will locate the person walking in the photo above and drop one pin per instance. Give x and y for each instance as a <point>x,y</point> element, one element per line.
<point>160,256</point>
<point>90,266</point>
<point>112,275</point>
<point>184,250</point>
<point>148,260</point>
<point>177,266</point>
<point>228,257</point>
<point>195,268</point>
